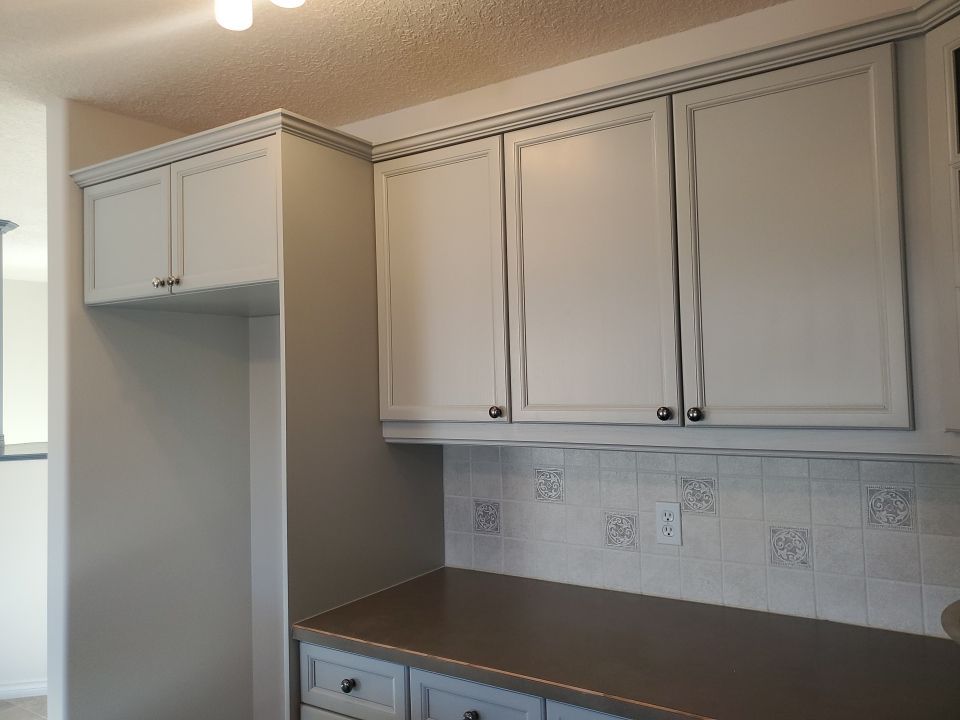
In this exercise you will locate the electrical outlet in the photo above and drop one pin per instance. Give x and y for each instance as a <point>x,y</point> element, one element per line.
<point>668,524</point>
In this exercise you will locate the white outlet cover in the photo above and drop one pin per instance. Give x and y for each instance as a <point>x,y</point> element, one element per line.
<point>669,527</point>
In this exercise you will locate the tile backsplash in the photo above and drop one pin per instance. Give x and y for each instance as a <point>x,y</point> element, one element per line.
<point>869,543</point>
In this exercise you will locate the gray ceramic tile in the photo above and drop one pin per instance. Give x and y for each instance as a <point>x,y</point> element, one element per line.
<point>584,526</point>
<point>695,464</point>
<point>786,467</point>
<point>484,453</point>
<point>618,489</point>
<point>620,530</point>
<point>701,580</point>
<point>895,605</point>
<point>660,575</point>
<point>937,473</point>
<point>655,487</point>
<point>13,712</point>
<point>786,500</point>
<point>546,456</point>
<point>456,478</point>
<point>656,462</point>
<point>36,705</point>
<point>648,536</point>
<point>938,508</point>
<point>528,558</point>
<point>743,541</point>
<point>790,547</point>
<point>621,570</point>
<point>458,514</point>
<point>941,559</point>
<point>488,553</point>
<point>790,593</point>
<point>585,566</point>
<point>739,465</point>
<point>581,486</point>
<point>584,458</point>
<point>830,469</point>
<point>745,586</point>
<point>618,460</point>
<point>935,599</point>
<point>485,480</point>
<point>487,516</point>
<point>741,497</point>
<point>838,549</point>
<point>891,555</point>
<point>701,537</point>
<point>699,494</point>
<point>885,472</point>
<point>518,482</point>
<point>456,453</point>
<point>835,503</point>
<point>458,550</point>
<point>841,598</point>
<point>516,456</point>
<point>534,521</point>
<point>890,507</point>
<point>548,484</point>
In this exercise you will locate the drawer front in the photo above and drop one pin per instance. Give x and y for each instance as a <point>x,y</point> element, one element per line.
<point>438,697</point>
<point>559,711</point>
<point>379,688</point>
<point>309,712</point>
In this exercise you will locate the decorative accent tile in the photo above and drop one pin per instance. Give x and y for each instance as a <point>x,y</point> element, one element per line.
<point>699,495</point>
<point>486,517</point>
<point>890,507</point>
<point>620,530</point>
<point>549,484</point>
<point>790,547</point>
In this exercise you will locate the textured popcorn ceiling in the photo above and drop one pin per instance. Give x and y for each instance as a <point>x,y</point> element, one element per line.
<point>333,60</point>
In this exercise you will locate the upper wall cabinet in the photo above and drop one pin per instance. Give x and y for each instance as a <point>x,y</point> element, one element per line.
<point>441,285</point>
<point>790,253</point>
<point>591,268</point>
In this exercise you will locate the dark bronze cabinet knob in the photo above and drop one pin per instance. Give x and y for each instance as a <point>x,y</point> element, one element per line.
<point>348,685</point>
<point>496,412</point>
<point>694,414</point>
<point>471,715</point>
<point>664,413</point>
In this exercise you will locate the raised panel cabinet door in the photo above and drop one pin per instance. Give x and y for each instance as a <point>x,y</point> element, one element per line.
<point>226,220</point>
<point>560,711</point>
<point>790,249</point>
<point>441,284</point>
<point>590,242</point>
<point>126,237</point>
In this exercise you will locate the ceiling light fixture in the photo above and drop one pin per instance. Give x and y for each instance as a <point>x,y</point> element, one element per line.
<point>233,14</point>
<point>288,3</point>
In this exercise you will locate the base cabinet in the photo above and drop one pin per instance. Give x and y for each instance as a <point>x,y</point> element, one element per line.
<point>560,711</point>
<point>438,697</point>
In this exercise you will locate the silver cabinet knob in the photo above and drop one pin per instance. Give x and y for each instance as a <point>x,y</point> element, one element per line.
<point>158,282</point>
<point>471,715</point>
<point>664,414</point>
<point>173,280</point>
<point>495,412</point>
<point>694,414</point>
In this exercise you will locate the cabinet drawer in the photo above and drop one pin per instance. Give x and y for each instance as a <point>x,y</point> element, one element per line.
<point>438,697</point>
<point>559,711</point>
<point>379,688</point>
<point>308,712</point>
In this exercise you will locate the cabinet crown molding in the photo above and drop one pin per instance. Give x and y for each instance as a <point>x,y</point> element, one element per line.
<point>252,128</point>
<point>920,20</point>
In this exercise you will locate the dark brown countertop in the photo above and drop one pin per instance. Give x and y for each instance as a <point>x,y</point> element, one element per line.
<point>645,657</point>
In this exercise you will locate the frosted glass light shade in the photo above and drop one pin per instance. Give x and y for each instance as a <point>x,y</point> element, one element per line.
<point>287,3</point>
<point>234,14</point>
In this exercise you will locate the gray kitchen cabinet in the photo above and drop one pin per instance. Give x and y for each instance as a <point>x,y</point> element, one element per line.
<point>790,250</point>
<point>352,685</point>
<point>439,697</point>
<point>561,711</point>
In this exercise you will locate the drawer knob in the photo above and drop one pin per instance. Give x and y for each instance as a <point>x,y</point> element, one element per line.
<point>158,282</point>
<point>694,414</point>
<point>495,413</point>
<point>348,685</point>
<point>664,413</point>
<point>173,280</point>
<point>471,715</point>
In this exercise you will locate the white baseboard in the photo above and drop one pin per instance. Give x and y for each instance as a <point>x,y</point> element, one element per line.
<point>20,690</point>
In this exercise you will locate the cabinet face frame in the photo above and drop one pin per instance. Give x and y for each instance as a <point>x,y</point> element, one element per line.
<point>141,287</point>
<point>895,410</point>
<point>656,113</point>
<point>269,148</point>
<point>942,46</point>
<point>489,149</point>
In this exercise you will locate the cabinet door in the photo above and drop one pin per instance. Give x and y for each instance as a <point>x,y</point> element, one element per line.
<point>226,216</point>
<point>441,293</point>
<point>126,237</point>
<point>592,280</point>
<point>791,267</point>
